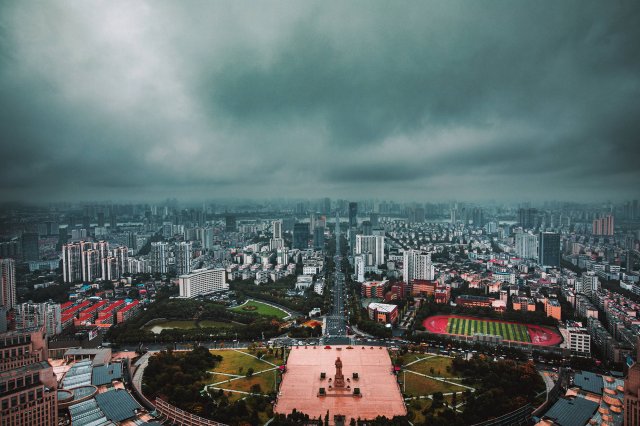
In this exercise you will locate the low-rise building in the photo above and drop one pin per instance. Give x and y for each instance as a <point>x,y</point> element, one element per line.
<point>382,312</point>
<point>202,281</point>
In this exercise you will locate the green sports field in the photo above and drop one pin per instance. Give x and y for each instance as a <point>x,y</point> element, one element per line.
<point>470,326</point>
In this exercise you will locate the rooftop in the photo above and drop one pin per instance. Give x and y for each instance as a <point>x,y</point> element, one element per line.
<point>382,307</point>
<point>589,382</point>
<point>117,405</point>
<point>572,412</point>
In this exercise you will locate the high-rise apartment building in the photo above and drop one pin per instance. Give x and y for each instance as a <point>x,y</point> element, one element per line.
<point>371,244</point>
<point>91,265</point>
<point>71,262</point>
<point>588,283</point>
<point>7,283</point>
<point>159,257</point>
<point>527,245</point>
<point>417,266</point>
<point>603,226</point>
<point>183,258</point>
<point>549,249</point>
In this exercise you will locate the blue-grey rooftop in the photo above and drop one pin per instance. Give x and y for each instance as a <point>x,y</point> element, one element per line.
<point>589,382</point>
<point>117,405</point>
<point>105,374</point>
<point>572,412</point>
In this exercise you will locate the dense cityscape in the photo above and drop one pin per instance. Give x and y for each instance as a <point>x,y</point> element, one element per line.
<point>319,213</point>
<point>94,295</point>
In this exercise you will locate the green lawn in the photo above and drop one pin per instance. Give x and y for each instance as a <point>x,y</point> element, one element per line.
<point>260,309</point>
<point>234,362</point>
<point>470,326</point>
<point>238,362</point>
<point>439,365</point>
<point>417,385</point>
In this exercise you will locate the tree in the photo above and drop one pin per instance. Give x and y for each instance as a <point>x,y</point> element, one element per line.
<point>249,372</point>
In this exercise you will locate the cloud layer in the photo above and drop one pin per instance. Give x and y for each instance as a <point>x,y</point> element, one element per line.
<point>410,100</point>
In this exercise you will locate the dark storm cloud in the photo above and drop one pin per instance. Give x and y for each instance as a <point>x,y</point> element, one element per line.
<point>119,99</point>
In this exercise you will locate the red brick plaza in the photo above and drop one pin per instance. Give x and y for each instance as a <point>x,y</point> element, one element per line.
<point>379,393</point>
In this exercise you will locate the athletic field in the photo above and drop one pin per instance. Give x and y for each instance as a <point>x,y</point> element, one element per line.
<point>467,326</point>
<point>470,326</point>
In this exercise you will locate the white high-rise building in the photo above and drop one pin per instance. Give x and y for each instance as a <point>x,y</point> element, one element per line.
<point>527,245</point>
<point>417,266</point>
<point>71,262</point>
<point>91,265</point>
<point>276,243</point>
<point>159,257</point>
<point>371,244</point>
<point>7,283</point>
<point>183,258</point>
<point>202,281</point>
<point>282,256</point>
<point>587,284</point>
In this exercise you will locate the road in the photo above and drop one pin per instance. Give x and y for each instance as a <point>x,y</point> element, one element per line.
<point>336,321</point>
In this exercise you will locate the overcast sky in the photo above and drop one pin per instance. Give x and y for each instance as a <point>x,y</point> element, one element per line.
<point>503,100</point>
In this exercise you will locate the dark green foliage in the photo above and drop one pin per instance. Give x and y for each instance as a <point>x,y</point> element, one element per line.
<point>179,377</point>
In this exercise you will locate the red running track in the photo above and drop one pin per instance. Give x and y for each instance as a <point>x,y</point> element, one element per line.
<point>539,335</point>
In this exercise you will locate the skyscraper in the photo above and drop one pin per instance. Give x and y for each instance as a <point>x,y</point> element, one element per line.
<point>30,246</point>
<point>326,206</point>
<point>318,238</point>
<point>7,283</point>
<point>549,249</point>
<point>230,223</point>
<point>277,228</point>
<point>528,218</point>
<point>353,214</point>
<point>301,236</point>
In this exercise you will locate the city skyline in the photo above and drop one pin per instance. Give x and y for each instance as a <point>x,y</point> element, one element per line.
<point>144,101</point>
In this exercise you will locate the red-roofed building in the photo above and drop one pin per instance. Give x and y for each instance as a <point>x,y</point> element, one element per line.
<point>106,316</point>
<point>89,315</point>
<point>71,312</point>
<point>128,311</point>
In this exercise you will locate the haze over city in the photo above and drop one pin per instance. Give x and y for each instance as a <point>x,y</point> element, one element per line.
<point>431,100</point>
